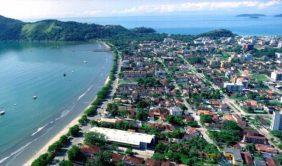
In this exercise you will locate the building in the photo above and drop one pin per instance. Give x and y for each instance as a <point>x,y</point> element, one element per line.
<point>276,121</point>
<point>248,47</point>
<point>136,140</point>
<point>233,87</point>
<point>234,155</point>
<point>175,111</point>
<point>276,75</point>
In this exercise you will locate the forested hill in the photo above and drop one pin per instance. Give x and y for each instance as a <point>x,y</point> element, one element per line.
<point>11,29</point>
<point>54,30</point>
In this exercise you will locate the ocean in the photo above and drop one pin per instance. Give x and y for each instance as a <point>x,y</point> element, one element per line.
<point>195,24</point>
<point>63,76</point>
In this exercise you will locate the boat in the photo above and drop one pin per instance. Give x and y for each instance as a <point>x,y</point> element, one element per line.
<point>85,62</point>
<point>34,97</point>
<point>2,113</point>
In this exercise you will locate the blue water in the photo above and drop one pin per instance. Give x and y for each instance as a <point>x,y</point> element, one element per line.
<point>195,24</point>
<point>27,70</point>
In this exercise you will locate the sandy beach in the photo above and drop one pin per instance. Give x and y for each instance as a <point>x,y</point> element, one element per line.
<point>54,139</point>
<point>64,131</point>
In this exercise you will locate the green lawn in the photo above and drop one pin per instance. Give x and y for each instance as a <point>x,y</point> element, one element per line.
<point>260,77</point>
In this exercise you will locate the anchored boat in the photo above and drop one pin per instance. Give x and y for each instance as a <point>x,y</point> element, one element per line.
<point>2,113</point>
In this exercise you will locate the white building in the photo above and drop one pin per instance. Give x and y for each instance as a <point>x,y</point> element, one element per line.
<point>136,140</point>
<point>276,75</point>
<point>279,44</point>
<point>233,87</point>
<point>175,111</point>
<point>276,121</point>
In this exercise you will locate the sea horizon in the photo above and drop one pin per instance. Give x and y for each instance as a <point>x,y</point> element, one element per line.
<point>191,24</point>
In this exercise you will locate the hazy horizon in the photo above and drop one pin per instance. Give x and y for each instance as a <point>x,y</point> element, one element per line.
<point>49,9</point>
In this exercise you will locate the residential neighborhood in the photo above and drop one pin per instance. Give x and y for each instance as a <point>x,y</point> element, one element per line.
<point>203,102</point>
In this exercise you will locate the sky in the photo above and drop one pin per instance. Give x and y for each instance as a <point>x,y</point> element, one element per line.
<point>55,9</point>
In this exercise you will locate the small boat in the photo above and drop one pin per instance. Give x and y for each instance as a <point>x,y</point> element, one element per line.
<point>34,97</point>
<point>85,62</point>
<point>2,113</point>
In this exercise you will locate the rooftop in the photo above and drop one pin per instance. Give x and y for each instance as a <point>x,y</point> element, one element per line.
<point>126,137</point>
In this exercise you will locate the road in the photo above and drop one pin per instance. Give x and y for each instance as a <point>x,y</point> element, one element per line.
<point>189,110</point>
<point>233,105</point>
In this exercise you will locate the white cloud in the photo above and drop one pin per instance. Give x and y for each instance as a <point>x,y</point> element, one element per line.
<point>38,9</point>
<point>196,6</point>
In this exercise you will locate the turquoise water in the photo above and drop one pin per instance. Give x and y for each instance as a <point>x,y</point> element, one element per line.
<point>195,24</point>
<point>28,70</point>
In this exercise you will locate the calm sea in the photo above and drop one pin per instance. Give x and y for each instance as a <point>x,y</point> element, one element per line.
<point>196,24</point>
<point>28,70</point>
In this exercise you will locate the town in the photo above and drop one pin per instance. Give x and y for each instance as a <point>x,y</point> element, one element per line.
<point>202,101</point>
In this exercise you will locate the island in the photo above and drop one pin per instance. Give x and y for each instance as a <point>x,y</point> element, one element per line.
<point>278,15</point>
<point>251,15</point>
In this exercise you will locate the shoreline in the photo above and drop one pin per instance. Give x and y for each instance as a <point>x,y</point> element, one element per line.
<point>65,129</point>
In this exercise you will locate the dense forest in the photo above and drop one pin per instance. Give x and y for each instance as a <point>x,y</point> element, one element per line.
<point>54,30</point>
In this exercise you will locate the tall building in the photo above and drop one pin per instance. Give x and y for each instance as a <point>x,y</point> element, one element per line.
<point>276,121</point>
<point>276,75</point>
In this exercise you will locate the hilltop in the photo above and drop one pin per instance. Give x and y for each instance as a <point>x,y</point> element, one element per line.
<point>55,30</point>
<point>11,29</point>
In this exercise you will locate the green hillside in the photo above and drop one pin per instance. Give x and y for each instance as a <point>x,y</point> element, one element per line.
<point>10,29</point>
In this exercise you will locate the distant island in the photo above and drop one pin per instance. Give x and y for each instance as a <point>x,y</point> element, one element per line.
<point>278,15</point>
<point>251,15</point>
<point>55,30</point>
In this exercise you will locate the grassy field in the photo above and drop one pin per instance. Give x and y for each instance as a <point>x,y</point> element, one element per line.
<point>260,77</point>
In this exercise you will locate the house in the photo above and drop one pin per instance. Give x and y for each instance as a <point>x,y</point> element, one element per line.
<point>265,148</point>
<point>235,118</point>
<point>116,158</point>
<point>259,162</point>
<point>175,111</point>
<point>157,112</point>
<point>152,162</point>
<point>234,155</point>
<point>247,157</point>
<point>136,140</point>
<point>270,162</point>
<point>90,151</point>
<point>191,132</point>
<point>254,137</point>
<point>134,161</point>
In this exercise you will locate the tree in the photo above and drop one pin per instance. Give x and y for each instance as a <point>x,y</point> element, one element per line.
<point>142,115</point>
<point>206,119</point>
<point>74,131</point>
<point>65,163</point>
<point>129,151</point>
<point>94,138</point>
<point>74,154</point>
<point>83,120</point>
<point>193,124</point>
<point>101,159</point>
<point>251,148</point>
<point>112,108</point>
<point>42,160</point>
